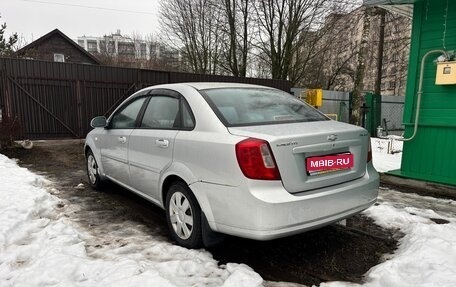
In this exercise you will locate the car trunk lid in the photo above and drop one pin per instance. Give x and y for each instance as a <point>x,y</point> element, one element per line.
<point>296,146</point>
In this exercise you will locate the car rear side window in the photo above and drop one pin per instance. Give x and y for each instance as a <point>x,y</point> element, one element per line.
<point>187,118</point>
<point>161,113</point>
<point>256,106</point>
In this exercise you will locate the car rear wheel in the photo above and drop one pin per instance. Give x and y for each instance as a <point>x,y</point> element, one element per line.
<point>92,171</point>
<point>183,216</point>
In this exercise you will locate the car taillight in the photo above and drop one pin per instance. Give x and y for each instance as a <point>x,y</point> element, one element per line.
<point>256,160</point>
<point>369,151</point>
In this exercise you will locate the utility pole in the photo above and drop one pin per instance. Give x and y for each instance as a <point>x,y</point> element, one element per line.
<point>380,48</point>
<point>355,117</point>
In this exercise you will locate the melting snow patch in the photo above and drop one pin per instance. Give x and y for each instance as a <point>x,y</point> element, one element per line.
<point>41,247</point>
<point>426,255</point>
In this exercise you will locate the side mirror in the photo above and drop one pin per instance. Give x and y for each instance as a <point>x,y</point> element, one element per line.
<point>98,122</point>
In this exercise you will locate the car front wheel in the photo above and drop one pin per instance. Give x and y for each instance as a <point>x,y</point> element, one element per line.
<point>183,216</point>
<point>92,171</point>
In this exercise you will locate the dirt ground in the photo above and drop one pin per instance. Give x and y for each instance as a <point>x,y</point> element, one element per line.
<point>332,253</point>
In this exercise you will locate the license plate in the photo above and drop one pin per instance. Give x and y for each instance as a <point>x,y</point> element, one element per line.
<point>329,163</point>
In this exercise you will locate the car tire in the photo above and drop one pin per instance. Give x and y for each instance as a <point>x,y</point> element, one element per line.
<point>183,215</point>
<point>92,171</point>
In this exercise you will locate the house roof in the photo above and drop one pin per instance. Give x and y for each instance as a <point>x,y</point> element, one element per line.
<point>42,39</point>
<point>403,7</point>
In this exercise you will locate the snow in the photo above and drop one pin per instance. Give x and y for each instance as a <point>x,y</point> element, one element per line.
<point>40,246</point>
<point>382,160</point>
<point>426,255</point>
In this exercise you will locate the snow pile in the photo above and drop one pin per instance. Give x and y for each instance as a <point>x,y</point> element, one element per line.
<point>382,160</point>
<point>426,255</point>
<point>39,246</point>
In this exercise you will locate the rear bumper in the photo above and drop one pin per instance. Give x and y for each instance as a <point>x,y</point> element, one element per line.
<point>264,210</point>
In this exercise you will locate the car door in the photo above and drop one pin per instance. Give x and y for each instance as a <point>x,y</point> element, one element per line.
<point>151,144</point>
<point>115,140</point>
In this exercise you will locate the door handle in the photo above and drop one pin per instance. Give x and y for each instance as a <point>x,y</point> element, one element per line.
<point>123,139</point>
<point>162,143</point>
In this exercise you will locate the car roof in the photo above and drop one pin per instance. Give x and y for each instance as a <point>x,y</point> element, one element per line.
<point>208,85</point>
<point>216,85</point>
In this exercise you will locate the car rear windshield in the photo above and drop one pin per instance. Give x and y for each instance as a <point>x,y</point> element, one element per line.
<point>252,106</point>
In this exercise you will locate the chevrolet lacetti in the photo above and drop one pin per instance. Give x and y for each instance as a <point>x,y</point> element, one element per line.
<point>238,159</point>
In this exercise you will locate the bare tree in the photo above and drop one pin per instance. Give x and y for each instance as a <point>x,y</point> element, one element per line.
<point>21,42</point>
<point>339,52</point>
<point>238,27</point>
<point>230,35</point>
<point>289,34</point>
<point>119,50</point>
<point>328,56</point>
<point>194,27</point>
<point>337,64</point>
<point>281,24</point>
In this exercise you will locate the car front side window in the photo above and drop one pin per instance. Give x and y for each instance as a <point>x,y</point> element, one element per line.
<point>126,117</point>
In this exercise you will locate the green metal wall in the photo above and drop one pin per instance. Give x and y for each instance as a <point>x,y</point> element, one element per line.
<point>431,155</point>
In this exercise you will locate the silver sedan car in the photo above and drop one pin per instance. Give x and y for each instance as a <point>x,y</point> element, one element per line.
<point>238,159</point>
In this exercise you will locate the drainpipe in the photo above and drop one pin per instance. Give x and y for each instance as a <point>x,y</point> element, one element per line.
<point>420,91</point>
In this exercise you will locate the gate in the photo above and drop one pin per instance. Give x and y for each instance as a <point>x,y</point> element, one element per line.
<point>53,108</point>
<point>37,104</point>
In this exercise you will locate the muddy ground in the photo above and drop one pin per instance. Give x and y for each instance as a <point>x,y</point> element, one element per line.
<point>332,253</point>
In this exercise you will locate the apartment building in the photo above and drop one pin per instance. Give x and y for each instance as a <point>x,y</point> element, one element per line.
<point>118,45</point>
<point>395,54</point>
<point>341,57</point>
<point>130,51</point>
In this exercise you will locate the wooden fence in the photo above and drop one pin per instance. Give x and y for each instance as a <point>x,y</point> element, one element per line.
<point>58,100</point>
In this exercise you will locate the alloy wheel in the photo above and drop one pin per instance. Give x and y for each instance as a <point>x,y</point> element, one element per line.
<point>92,169</point>
<point>181,215</point>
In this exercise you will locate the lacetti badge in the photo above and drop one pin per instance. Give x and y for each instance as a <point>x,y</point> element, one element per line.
<point>329,162</point>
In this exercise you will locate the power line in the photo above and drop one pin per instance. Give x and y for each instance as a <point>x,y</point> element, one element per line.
<point>89,7</point>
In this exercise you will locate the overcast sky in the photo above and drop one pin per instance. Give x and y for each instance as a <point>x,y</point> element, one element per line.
<point>34,18</point>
